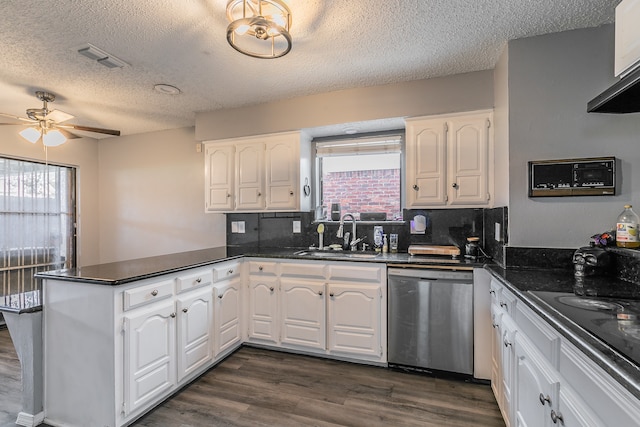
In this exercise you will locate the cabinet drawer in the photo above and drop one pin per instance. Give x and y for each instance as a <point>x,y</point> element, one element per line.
<point>226,271</point>
<point>353,272</point>
<point>260,267</point>
<point>540,333</point>
<point>194,280</point>
<point>145,294</point>
<point>504,299</point>
<point>311,270</point>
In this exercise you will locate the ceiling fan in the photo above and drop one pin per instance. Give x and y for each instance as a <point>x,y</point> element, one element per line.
<point>47,124</point>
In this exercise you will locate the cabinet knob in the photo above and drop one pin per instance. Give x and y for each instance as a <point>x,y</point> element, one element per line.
<point>492,292</point>
<point>320,293</point>
<point>504,305</point>
<point>290,192</point>
<point>198,280</point>
<point>172,315</point>
<point>544,399</point>
<point>556,416</point>
<point>271,288</point>
<point>220,296</point>
<point>228,195</point>
<point>230,271</point>
<point>494,325</point>
<point>507,343</point>
<point>415,187</point>
<point>184,310</point>
<point>154,292</point>
<point>260,268</point>
<point>454,185</point>
<point>259,194</point>
<point>331,294</point>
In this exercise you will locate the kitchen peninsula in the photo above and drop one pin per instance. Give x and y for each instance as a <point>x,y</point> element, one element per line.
<point>96,316</point>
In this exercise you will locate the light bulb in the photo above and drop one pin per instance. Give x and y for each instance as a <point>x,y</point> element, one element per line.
<point>242,29</point>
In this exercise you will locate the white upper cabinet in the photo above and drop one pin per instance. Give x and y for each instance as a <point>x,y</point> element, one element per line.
<point>258,173</point>
<point>448,160</point>
<point>627,55</point>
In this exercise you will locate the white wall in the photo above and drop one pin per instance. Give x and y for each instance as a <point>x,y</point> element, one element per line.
<point>81,153</point>
<point>551,78</point>
<point>152,197</point>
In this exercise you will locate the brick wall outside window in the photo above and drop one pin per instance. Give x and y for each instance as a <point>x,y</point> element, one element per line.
<point>363,191</point>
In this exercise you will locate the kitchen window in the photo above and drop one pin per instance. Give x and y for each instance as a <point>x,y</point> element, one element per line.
<point>362,174</point>
<point>37,221</point>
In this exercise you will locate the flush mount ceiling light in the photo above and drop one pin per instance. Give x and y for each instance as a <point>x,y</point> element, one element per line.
<point>166,89</point>
<point>259,28</point>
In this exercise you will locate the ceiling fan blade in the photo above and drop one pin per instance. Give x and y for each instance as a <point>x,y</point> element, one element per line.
<point>67,134</point>
<point>16,124</point>
<point>90,129</point>
<point>11,116</point>
<point>58,116</point>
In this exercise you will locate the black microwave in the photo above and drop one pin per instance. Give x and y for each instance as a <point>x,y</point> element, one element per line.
<point>594,176</point>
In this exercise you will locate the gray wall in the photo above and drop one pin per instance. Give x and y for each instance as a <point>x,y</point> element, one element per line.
<point>462,92</point>
<point>551,78</point>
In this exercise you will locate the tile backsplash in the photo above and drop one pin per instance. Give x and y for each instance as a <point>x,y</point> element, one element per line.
<point>264,231</point>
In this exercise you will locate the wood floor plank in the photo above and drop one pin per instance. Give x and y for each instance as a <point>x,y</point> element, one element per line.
<point>256,387</point>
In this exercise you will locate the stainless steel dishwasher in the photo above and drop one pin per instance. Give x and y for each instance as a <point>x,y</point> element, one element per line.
<point>430,319</point>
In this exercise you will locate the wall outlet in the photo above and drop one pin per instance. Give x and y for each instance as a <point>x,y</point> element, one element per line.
<point>296,226</point>
<point>241,228</point>
<point>496,234</point>
<point>234,226</point>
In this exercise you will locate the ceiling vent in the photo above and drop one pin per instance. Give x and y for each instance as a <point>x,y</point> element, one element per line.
<point>102,57</point>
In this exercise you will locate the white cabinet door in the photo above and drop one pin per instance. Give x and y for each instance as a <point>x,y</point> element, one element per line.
<point>468,160</point>
<point>536,386</point>
<point>425,163</point>
<point>282,172</point>
<point>195,321</point>
<point>149,354</point>
<point>263,309</point>
<point>250,176</point>
<point>508,360</point>
<point>228,310</point>
<point>627,42</point>
<point>302,313</point>
<point>355,319</point>
<point>496,356</point>
<point>219,173</point>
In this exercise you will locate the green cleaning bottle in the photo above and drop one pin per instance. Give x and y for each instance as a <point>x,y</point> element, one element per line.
<point>627,229</point>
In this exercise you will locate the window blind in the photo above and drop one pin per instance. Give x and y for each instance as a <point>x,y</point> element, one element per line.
<point>370,145</point>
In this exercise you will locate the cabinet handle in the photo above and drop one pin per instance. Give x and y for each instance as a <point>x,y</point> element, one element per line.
<point>320,293</point>
<point>495,325</point>
<point>172,315</point>
<point>504,305</point>
<point>184,310</point>
<point>544,399</point>
<point>492,292</point>
<point>220,296</point>
<point>198,280</point>
<point>415,187</point>
<point>506,342</point>
<point>260,268</point>
<point>154,292</point>
<point>230,272</point>
<point>271,288</point>
<point>556,416</point>
<point>454,185</point>
<point>331,294</point>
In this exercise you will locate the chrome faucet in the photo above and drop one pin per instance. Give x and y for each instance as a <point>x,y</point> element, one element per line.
<point>340,232</point>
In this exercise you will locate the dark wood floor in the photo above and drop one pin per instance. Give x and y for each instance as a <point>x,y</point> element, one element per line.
<point>256,387</point>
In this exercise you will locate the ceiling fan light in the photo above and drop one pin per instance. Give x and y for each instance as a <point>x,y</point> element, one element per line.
<point>242,29</point>
<point>53,138</point>
<point>31,134</point>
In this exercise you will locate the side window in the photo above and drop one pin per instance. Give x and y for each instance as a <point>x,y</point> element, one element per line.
<point>361,174</point>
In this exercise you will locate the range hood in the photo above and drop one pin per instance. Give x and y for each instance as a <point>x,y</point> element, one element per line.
<point>621,98</point>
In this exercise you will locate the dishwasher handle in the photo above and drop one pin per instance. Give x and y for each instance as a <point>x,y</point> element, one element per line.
<point>430,274</point>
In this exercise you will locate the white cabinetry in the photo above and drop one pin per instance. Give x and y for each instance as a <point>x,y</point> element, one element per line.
<point>449,159</point>
<point>541,379</point>
<point>228,315</point>
<point>257,173</point>
<point>627,47</point>
<point>302,319</point>
<point>263,302</point>
<point>195,337</point>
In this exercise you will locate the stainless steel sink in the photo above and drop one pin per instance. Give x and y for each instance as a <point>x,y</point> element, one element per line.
<point>334,254</point>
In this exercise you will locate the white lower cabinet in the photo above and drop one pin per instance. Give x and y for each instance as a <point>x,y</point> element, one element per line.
<point>539,378</point>
<point>228,315</point>
<point>329,308</point>
<point>355,319</point>
<point>150,354</point>
<point>195,322</point>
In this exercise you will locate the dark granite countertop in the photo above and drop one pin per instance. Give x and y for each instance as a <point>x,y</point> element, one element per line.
<point>522,281</point>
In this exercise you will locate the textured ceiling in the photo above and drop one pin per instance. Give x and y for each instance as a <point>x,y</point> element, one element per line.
<point>337,44</point>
